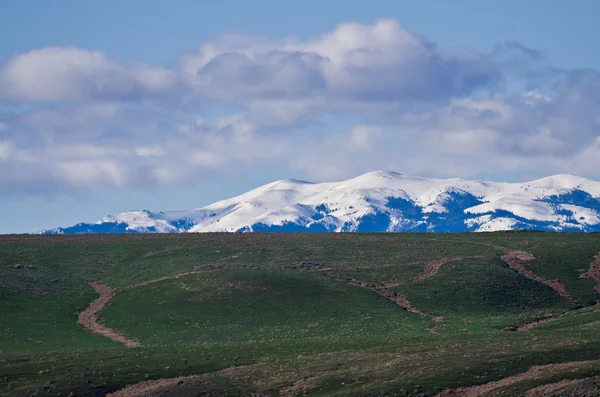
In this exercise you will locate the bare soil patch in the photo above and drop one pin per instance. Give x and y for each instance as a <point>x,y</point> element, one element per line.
<point>535,372</point>
<point>142,388</point>
<point>160,385</point>
<point>89,317</point>
<point>431,269</point>
<point>530,324</point>
<point>515,260</point>
<point>546,390</point>
<point>401,300</point>
<point>594,272</point>
<point>298,387</point>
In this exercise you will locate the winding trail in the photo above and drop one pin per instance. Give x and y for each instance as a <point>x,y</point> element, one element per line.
<point>89,317</point>
<point>431,269</point>
<point>594,272</point>
<point>535,372</point>
<point>515,260</point>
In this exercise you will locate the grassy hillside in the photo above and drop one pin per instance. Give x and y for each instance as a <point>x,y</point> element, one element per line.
<point>287,314</point>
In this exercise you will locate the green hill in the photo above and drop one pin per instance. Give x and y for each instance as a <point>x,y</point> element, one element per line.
<point>291,314</point>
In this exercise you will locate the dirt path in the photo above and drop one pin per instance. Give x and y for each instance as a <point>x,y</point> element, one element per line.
<point>157,385</point>
<point>515,260</point>
<point>401,300</point>
<point>531,324</point>
<point>156,280</point>
<point>431,269</point>
<point>536,372</point>
<point>89,317</point>
<point>139,389</point>
<point>546,390</point>
<point>594,272</point>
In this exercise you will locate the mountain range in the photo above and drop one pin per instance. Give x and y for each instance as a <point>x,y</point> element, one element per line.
<point>379,201</point>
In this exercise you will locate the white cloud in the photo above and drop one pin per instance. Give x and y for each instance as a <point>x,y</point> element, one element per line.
<point>362,136</point>
<point>359,98</point>
<point>91,173</point>
<point>68,73</point>
<point>149,151</point>
<point>356,62</point>
<point>206,159</point>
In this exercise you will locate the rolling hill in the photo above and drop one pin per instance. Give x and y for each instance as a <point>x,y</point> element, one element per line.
<point>289,314</point>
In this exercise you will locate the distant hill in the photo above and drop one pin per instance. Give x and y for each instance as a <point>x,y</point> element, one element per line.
<point>379,201</point>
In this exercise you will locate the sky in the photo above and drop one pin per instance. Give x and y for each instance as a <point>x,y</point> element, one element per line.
<point>116,105</point>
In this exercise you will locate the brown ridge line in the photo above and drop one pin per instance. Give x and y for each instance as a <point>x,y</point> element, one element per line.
<point>594,272</point>
<point>89,317</point>
<point>535,372</point>
<point>515,258</point>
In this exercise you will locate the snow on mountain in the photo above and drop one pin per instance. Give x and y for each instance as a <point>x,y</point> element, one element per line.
<point>379,201</point>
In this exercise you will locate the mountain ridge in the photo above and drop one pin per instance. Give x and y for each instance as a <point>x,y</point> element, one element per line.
<point>379,201</point>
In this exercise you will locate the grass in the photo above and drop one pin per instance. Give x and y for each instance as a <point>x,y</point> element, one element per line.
<point>250,319</point>
<point>34,322</point>
<point>256,306</point>
<point>481,288</point>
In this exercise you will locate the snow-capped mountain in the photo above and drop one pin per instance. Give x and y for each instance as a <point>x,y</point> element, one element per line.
<point>380,202</point>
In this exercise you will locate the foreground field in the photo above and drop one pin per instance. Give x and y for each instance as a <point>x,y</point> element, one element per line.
<point>289,314</point>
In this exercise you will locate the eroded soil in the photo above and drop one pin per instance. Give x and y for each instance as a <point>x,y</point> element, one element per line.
<point>89,317</point>
<point>149,386</point>
<point>531,324</point>
<point>546,390</point>
<point>536,372</point>
<point>594,272</point>
<point>516,259</point>
<point>431,269</point>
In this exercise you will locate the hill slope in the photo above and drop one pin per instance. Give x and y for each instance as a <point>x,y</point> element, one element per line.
<point>379,202</point>
<point>285,314</point>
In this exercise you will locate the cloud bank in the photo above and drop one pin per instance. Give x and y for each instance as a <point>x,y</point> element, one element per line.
<point>359,98</point>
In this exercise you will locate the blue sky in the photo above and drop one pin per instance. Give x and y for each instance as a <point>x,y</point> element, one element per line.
<point>118,105</point>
